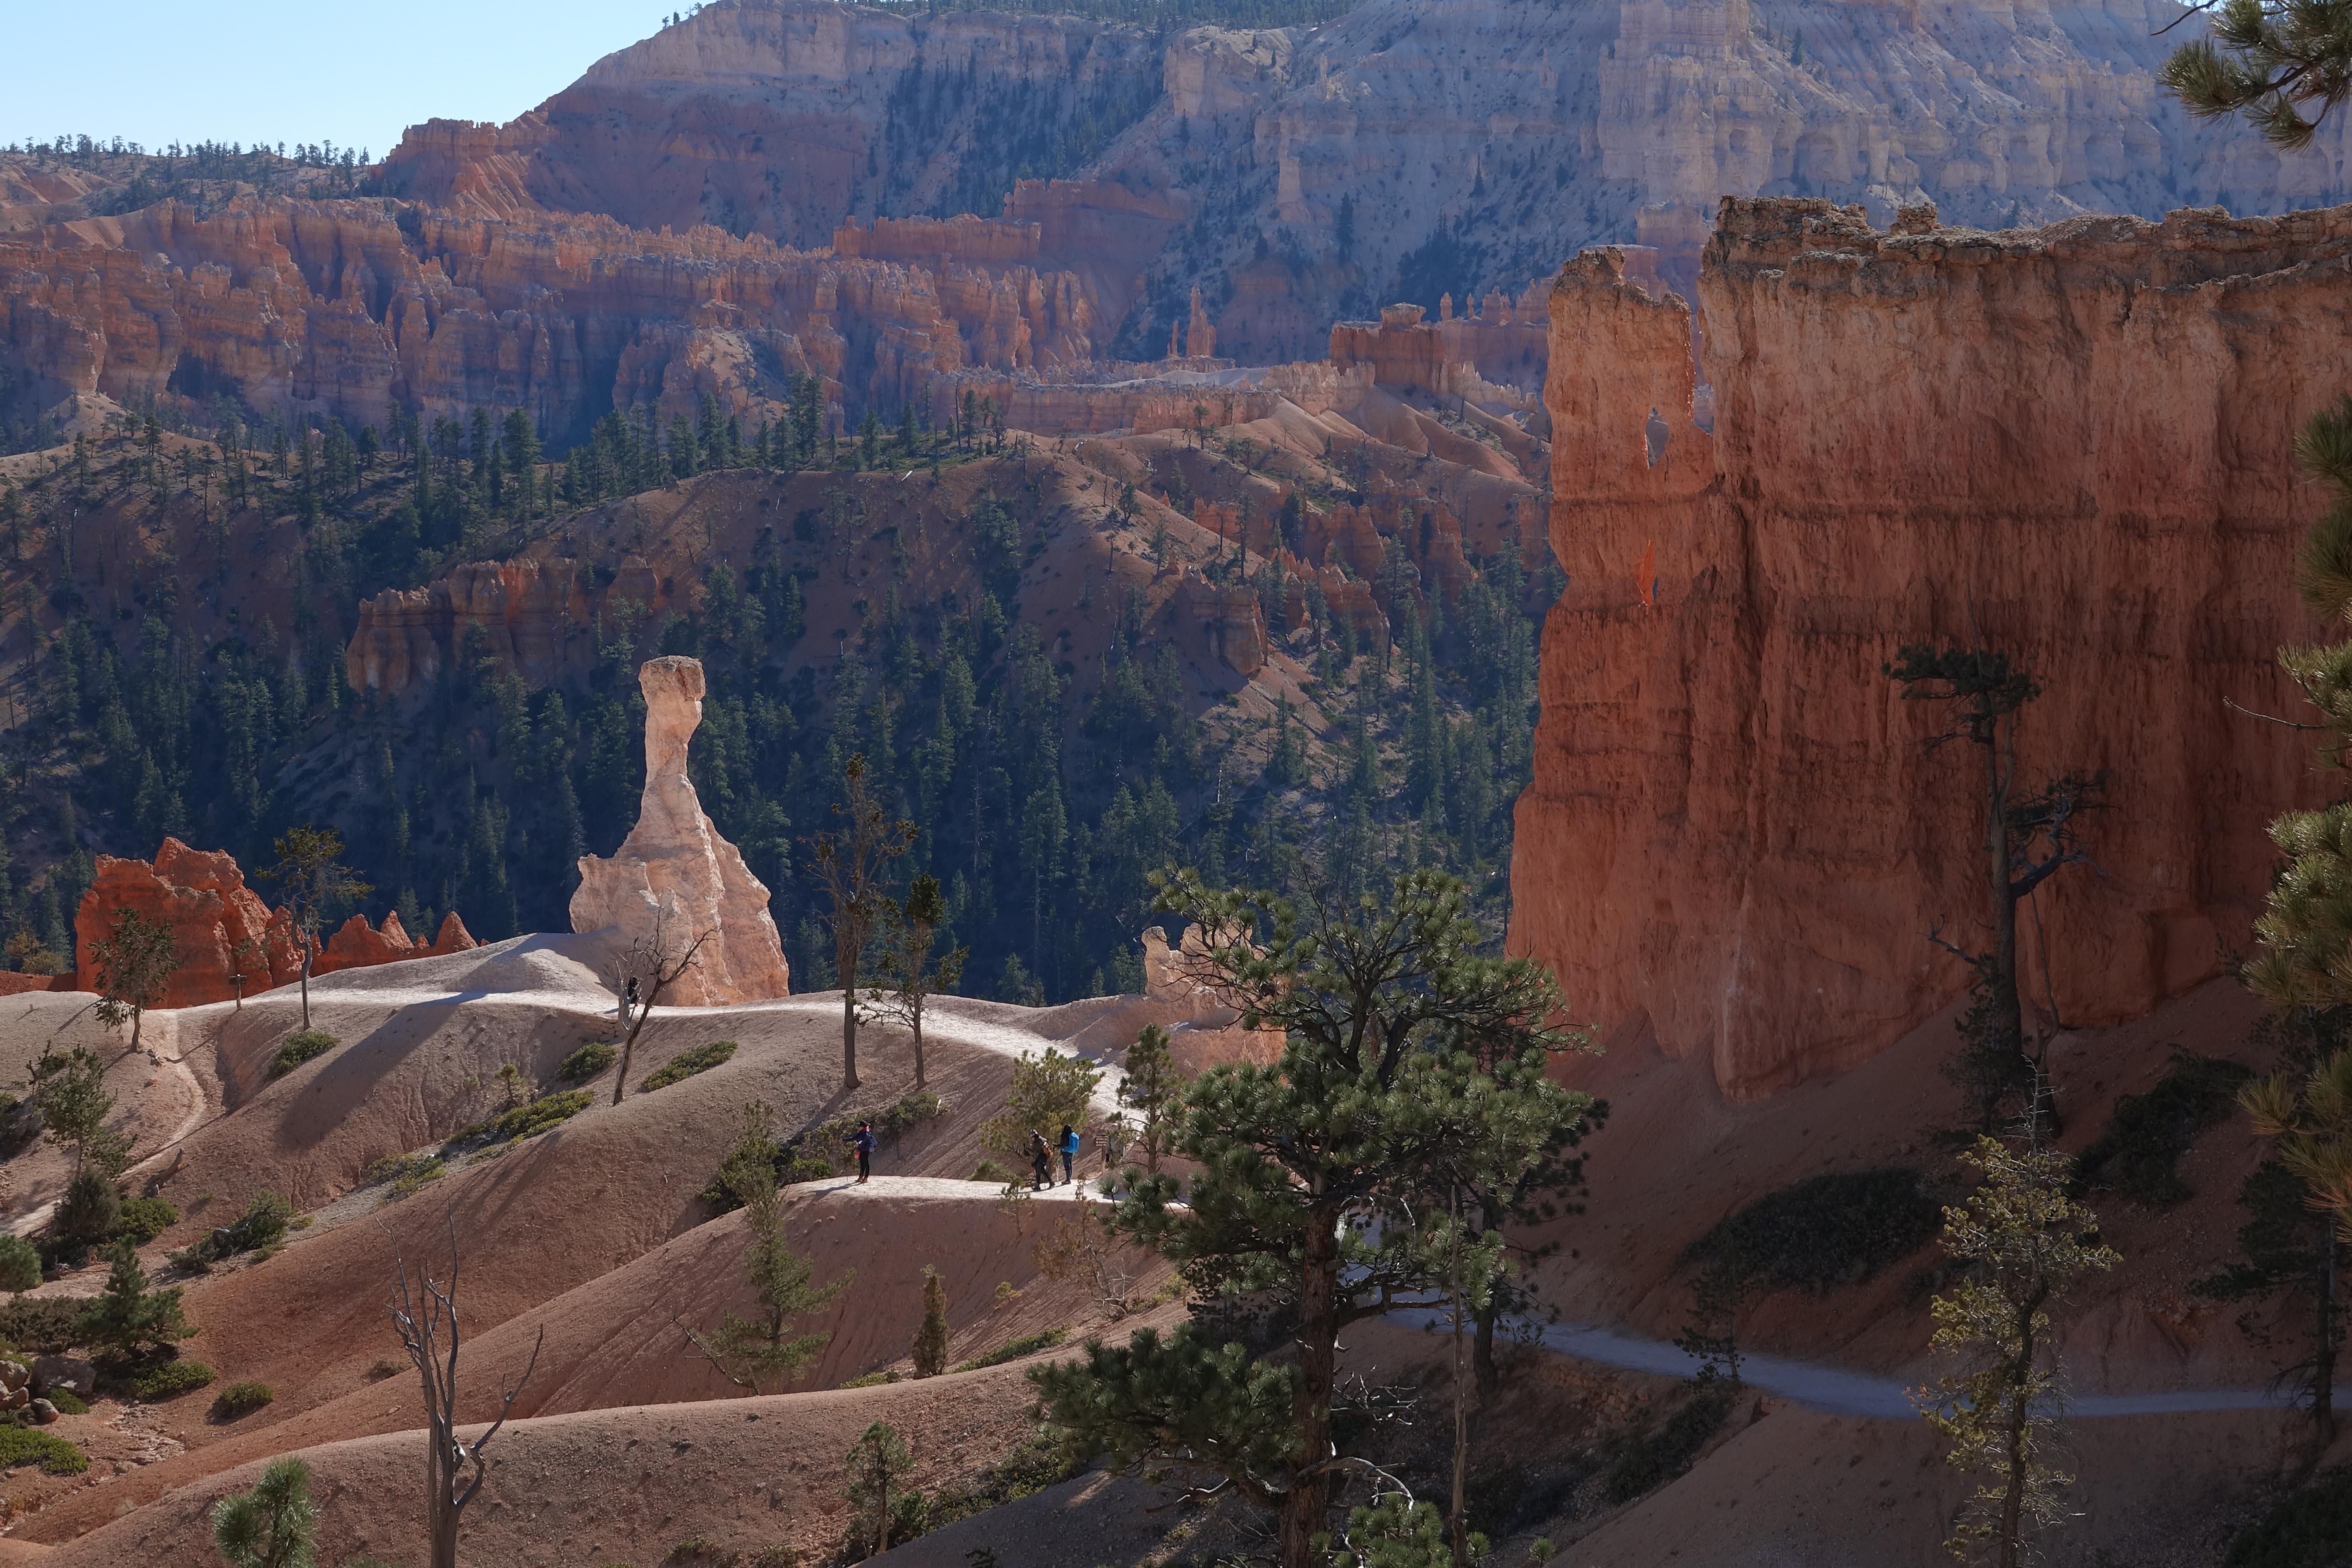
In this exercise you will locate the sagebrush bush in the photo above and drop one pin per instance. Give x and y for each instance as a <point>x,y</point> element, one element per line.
<point>586,1062</point>
<point>1827,1231</point>
<point>169,1380</point>
<point>300,1047</point>
<point>20,1264</point>
<point>145,1219</point>
<point>405,1174</point>
<point>25,1446</point>
<point>1028,1344</point>
<point>1645,1460</point>
<point>88,1212</point>
<point>686,1064</point>
<point>66,1402</point>
<point>2138,1152</point>
<point>241,1399</point>
<point>549,1110</point>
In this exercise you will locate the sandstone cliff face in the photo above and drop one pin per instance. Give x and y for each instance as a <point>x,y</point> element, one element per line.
<point>673,878</point>
<point>2071,442</point>
<point>1472,142</point>
<point>535,616</point>
<point>223,932</point>
<point>220,926</point>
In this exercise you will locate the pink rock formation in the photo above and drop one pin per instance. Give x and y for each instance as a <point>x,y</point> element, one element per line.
<point>220,926</point>
<point>534,614</point>
<point>674,869</point>
<point>1505,345</point>
<point>1219,621</point>
<point>356,945</point>
<point>1204,1027</point>
<point>2072,443</point>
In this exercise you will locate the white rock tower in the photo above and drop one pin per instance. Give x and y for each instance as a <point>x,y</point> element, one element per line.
<point>674,855</point>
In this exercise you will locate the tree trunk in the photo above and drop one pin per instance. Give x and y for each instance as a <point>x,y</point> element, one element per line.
<point>2323,1369</point>
<point>2008,1016</point>
<point>2007,1542</point>
<point>445,1537</point>
<point>1308,1501</point>
<point>308,944</point>
<point>1460,1411</point>
<point>628,1049</point>
<point>848,966</point>
<point>1482,1353</point>
<point>919,1045</point>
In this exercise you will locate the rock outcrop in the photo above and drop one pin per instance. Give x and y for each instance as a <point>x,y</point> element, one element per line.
<point>221,927</point>
<point>673,878</point>
<point>2071,443</point>
<point>229,941</point>
<point>534,616</point>
<point>1204,1026</point>
<point>357,945</point>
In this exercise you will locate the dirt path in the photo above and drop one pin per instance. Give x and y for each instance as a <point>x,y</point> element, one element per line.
<point>1838,1391</point>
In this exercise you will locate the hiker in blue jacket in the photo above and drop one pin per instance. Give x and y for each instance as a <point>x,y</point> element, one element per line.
<point>863,1141</point>
<point>1070,1152</point>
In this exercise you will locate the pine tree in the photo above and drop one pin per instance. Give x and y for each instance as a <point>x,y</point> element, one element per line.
<point>1149,1089</point>
<point>909,977</point>
<point>68,1088</point>
<point>135,962</point>
<point>275,1525</point>
<point>876,1465</point>
<point>312,880</point>
<point>2023,1242</point>
<point>1374,1106</point>
<point>930,1347</point>
<point>2030,836</point>
<point>763,1352</point>
<point>1050,1089</point>
<point>850,864</point>
<point>2269,61</point>
<point>128,1318</point>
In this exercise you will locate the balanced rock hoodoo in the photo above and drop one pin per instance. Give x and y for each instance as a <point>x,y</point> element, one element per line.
<point>674,869</point>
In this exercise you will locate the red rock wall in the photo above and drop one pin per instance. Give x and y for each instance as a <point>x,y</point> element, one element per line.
<point>219,925</point>
<point>2073,442</point>
<point>221,928</point>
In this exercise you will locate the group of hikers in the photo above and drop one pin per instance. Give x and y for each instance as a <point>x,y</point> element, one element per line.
<point>1041,1154</point>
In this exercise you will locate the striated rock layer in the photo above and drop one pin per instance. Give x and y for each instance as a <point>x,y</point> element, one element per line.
<point>1406,150</point>
<point>676,872</point>
<point>2072,443</point>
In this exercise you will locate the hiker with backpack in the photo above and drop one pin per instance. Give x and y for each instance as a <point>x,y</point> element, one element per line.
<point>863,1141</point>
<point>1069,1153</point>
<point>1041,1163</point>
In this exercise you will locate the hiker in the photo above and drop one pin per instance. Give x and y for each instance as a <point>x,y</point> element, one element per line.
<point>1069,1153</point>
<point>863,1141</point>
<point>1041,1163</point>
<point>629,999</point>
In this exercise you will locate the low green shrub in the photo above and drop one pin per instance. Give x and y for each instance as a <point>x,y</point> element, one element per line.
<point>872,1380</point>
<point>1645,1459</point>
<point>241,1399</point>
<point>686,1064</point>
<point>300,1047</point>
<point>2138,1152</point>
<point>549,1110</point>
<point>262,1228</point>
<point>40,1322</point>
<point>2309,1528</point>
<point>169,1380</point>
<point>26,1446</point>
<point>145,1219</point>
<point>20,1264</point>
<point>990,1170</point>
<point>405,1174</point>
<point>66,1402</point>
<point>586,1062</point>
<point>1028,1344</point>
<point>1827,1231</point>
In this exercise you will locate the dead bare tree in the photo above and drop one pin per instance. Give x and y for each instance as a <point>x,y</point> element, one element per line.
<point>848,863</point>
<point>426,1317</point>
<point>643,970</point>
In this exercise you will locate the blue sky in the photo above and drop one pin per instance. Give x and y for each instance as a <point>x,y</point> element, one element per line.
<point>154,71</point>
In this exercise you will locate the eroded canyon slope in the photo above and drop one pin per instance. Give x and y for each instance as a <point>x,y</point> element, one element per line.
<point>1407,149</point>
